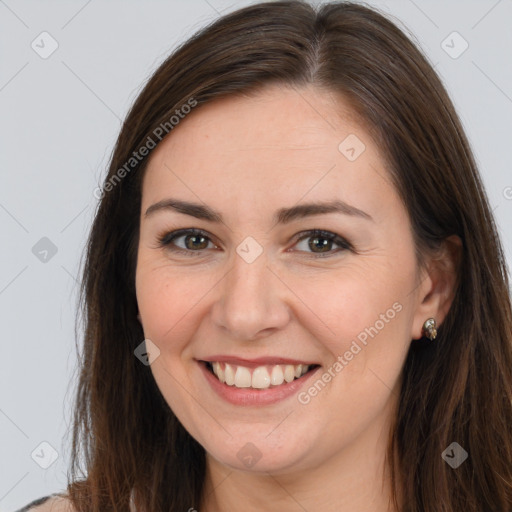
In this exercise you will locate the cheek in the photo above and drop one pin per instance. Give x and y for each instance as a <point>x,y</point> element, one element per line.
<point>354,303</point>
<point>369,315</point>
<point>163,300</point>
<point>369,323</point>
<point>172,302</point>
<point>169,303</point>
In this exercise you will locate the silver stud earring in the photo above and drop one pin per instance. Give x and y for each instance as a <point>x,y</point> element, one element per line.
<point>429,329</point>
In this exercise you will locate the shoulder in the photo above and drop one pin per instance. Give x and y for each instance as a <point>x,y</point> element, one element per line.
<point>52,503</point>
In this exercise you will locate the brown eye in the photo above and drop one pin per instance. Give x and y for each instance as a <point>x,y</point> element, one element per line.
<point>196,242</point>
<point>321,243</point>
<point>186,241</point>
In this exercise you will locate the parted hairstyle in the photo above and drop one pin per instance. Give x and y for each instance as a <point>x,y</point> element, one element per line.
<point>126,438</point>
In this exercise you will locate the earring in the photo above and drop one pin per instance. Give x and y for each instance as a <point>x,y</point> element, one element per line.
<point>429,329</point>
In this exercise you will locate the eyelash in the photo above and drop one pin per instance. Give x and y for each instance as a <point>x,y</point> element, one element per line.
<point>165,240</point>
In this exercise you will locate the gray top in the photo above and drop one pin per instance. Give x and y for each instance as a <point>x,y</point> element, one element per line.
<point>37,502</point>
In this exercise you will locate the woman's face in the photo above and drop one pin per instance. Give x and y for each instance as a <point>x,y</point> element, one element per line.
<point>255,289</point>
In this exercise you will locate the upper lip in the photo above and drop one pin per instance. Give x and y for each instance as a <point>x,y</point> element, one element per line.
<point>253,363</point>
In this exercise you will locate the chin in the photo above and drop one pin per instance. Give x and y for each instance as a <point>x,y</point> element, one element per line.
<point>261,454</point>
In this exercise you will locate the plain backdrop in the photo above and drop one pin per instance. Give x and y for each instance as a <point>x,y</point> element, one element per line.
<point>60,115</point>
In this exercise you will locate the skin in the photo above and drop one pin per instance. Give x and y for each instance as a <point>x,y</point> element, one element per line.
<point>246,157</point>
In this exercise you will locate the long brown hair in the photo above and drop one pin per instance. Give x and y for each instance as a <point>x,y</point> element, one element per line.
<point>457,389</point>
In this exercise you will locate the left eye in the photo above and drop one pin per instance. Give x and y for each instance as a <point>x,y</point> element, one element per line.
<point>195,241</point>
<point>323,240</point>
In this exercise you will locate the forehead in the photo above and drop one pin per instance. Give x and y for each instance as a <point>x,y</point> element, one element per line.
<point>276,116</point>
<point>277,142</point>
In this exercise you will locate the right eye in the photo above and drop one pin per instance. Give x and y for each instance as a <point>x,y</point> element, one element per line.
<point>193,240</point>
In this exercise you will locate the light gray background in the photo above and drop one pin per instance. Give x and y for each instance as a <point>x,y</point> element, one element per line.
<point>59,120</point>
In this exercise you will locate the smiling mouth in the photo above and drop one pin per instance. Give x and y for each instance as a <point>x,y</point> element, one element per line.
<point>261,377</point>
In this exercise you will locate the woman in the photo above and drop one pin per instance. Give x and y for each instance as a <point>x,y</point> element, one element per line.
<point>294,224</point>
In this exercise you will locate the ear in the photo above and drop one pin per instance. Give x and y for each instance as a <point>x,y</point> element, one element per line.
<point>438,285</point>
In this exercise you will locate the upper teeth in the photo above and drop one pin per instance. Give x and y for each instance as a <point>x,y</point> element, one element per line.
<point>241,377</point>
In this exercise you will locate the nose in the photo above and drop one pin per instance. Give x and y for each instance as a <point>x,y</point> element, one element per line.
<point>251,301</point>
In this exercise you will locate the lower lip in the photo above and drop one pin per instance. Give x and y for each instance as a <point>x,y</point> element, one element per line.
<point>251,396</point>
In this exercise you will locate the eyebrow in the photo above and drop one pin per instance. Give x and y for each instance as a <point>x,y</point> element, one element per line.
<point>282,216</point>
